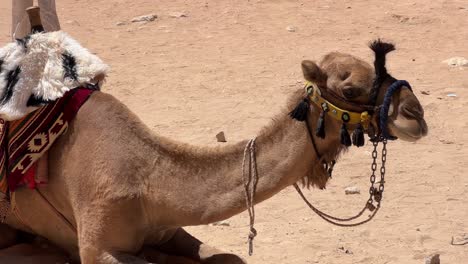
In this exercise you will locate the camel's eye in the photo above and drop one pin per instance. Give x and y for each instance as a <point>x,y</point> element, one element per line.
<point>351,92</point>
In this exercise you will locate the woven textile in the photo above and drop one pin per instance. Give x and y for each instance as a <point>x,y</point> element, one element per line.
<point>24,141</point>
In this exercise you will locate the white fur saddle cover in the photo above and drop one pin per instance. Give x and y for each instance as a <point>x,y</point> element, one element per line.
<point>41,68</point>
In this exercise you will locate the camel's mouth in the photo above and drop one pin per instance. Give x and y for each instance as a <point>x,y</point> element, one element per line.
<point>408,129</point>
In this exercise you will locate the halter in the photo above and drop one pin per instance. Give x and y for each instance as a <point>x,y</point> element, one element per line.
<point>361,119</point>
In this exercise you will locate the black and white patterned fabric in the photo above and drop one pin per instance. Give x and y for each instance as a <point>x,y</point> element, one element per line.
<point>41,68</point>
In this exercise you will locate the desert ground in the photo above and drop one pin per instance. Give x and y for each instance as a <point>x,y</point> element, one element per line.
<point>207,66</point>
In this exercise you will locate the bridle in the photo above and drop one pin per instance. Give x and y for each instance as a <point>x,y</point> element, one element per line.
<point>366,118</point>
<point>373,203</point>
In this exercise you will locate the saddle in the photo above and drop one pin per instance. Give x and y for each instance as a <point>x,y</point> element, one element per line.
<point>44,80</point>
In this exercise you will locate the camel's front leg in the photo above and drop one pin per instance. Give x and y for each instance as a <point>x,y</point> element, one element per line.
<point>111,232</point>
<point>184,244</point>
<point>93,251</point>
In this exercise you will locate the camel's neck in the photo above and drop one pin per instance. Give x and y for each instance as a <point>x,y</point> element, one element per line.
<point>201,186</point>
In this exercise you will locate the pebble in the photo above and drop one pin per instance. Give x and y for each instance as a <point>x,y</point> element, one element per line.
<point>221,223</point>
<point>451,95</point>
<point>457,62</point>
<point>352,190</point>
<point>72,22</point>
<point>144,18</point>
<point>178,15</point>
<point>291,29</point>
<point>121,23</point>
<point>221,137</point>
<point>433,259</point>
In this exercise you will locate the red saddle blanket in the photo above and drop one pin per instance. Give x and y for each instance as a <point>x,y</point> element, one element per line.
<point>24,141</point>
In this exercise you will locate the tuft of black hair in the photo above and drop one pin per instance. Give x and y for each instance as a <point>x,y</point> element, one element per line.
<point>380,49</point>
<point>69,66</point>
<point>24,41</point>
<point>12,79</point>
<point>36,101</point>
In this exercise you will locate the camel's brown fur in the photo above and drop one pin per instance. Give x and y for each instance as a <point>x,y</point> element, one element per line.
<point>120,187</point>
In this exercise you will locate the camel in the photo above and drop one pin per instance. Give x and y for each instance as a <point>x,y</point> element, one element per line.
<point>117,188</point>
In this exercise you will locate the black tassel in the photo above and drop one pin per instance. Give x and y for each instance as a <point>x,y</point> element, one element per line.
<point>320,130</point>
<point>358,136</point>
<point>300,112</point>
<point>344,136</point>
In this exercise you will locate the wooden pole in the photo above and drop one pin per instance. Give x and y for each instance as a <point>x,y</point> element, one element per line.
<point>34,14</point>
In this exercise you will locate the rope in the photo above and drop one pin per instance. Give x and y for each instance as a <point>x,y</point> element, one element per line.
<point>397,85</point>
<point>250,178</point>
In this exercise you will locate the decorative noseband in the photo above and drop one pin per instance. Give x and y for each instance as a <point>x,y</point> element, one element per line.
<point>349,117</point>
<point>383,115</point>
<point>362,119</point>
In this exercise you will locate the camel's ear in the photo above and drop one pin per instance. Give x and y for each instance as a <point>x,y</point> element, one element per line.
<point>313,73</point>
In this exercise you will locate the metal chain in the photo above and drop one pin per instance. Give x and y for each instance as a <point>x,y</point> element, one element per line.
<point>375,195</point>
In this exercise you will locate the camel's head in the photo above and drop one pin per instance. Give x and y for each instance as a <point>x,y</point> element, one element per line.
<point>352,84</point>
<point>41,68</point>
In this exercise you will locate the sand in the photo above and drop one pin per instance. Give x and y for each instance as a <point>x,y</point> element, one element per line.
<point>207,66</point>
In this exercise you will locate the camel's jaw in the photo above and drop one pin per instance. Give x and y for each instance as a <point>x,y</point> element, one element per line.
<point>409,130</point>
<point>406,118</point>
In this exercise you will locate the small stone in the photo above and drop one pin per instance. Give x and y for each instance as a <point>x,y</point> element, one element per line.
<point>452,95</point>
<point>220,137</point>
<point>291,29</point>
<point>121,23</point>
<point>178,14</point>
<point>145,18</point>
<point>72,22</point>
<point>352,190</point>
<point>433,259</point>
<point>425,92</point>
<point>401,18</point>
<point>457,62</point>
<point>221,223</point>
<point>417,229</point>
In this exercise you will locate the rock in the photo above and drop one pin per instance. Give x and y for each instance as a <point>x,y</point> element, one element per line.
<point>425,92</point>
<point>345,250</point>
<point>451,95</point>
<point>220,137</point>
<point>178,14</point>
<point>72,22</point>
<point>352,190</point>
<point>457,62</point>
<point>291,29</point>
<point>221,223</point>
<point>433,259</point>
<point>401,18</point>
<point>121,23</point>
<point>145,18</point>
